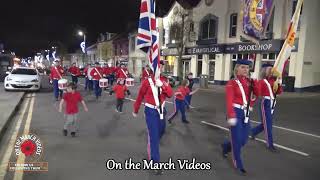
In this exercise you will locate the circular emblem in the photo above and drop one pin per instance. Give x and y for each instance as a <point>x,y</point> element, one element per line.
<point>30,146</point>
<point>255,17</point>
<point>209,2</point>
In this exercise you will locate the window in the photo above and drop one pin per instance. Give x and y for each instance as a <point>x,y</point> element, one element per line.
<point>199,56</point>
<point>233,25</point>
<point>212,56</point>
<point>264,56</point>
<point>199,69</point>
<point>208,27</point>
<point>24,71</point>
<point>133,44</point>
<point>191,27</point>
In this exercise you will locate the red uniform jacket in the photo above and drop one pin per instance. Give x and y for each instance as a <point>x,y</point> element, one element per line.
<point>145,93</point>
<point>107,71</point>
<point>146,73</point>
<point>184,92</point>
<point>75,71</point>
<point>122,73</point>
<point>85,71</point>
<point>96,73</point>
<point>264,91</point>
<point>120,91</point>
<point>56,72</point>
<point>234,96</point>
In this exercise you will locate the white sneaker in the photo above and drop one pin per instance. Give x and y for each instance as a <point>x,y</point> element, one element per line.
<point>117,110</point>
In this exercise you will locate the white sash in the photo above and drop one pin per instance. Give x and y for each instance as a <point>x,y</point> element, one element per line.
<point>147,72</point>
<point>124,72</point>
<point>155,97</point>
<point>58,72</point>
<point>272,99</point>
<point>98,72</point>
<point>244,100</point>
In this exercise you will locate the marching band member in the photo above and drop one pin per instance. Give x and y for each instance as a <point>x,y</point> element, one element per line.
<point>56,73</point>
<point>88,82</point>
<point>107,71</point>
<point>122,72</point>
<point>190,86</point>
<point>146,72</point>
<point>96,74</point>
<point>75,72</point>
<point>154,112</point>
<point>179,101</point>
<point>237,99</point>
<point>267,84</point>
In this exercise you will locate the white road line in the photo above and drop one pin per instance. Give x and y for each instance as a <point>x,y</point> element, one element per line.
<point>291,130</point>
<point>18,175</point>
<point>261,140</point>
<point>6,157</point>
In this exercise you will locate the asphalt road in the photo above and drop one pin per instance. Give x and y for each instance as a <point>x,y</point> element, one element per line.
<point>105,134</point>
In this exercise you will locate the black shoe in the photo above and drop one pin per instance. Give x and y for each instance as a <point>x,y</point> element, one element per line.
<point>243,171</point>
<point>170,121</point>
<point>187,122</point>
<point>65,132</point>
<point>224,155</point>
<point>158,172</point>
<point>272,149</point>
<point>73,134</point>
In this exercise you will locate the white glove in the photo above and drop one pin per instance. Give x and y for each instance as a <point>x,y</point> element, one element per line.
<point>134,114</point>
<point>50,81</point>
<point>232,121</point>
<point>159,83</point>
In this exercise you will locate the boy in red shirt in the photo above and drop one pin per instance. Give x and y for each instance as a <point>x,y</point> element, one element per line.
<point>71,98</point>
<point>180,96</point>
<point>120,89</point>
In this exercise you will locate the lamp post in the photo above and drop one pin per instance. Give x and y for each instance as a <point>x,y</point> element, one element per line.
<point>83,45</point>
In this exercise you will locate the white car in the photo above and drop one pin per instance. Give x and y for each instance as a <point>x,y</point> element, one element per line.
<point>22,78</point>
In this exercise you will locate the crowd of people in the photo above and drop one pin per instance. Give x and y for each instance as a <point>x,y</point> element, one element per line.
<point>241,94</point>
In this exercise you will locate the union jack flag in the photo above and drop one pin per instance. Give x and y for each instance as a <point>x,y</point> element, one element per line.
<point>147,39</point>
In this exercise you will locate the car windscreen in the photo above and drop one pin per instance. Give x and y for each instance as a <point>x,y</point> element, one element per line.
<point>24,71</point>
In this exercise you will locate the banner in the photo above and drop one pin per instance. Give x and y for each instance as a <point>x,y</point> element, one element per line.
<point>255,15</point>
<point>288,44</point>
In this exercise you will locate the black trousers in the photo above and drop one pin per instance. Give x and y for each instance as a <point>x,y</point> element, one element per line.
<point>119,104</point>
<point>74,79</point>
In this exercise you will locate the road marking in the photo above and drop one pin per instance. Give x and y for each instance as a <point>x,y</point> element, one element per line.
<point>291,130</point>
<point>261,140</point>
<point>18,175</point>
<point>6,157</point>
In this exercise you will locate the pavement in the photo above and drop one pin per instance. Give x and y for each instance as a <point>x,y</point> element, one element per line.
<point>9,103</point>
<point>105,135</point>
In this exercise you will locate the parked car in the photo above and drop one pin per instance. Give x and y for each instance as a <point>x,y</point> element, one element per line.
<point>23,78</point>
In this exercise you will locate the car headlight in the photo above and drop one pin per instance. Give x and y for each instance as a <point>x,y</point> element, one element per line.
<point>9,79</point>
<point>35,80</point>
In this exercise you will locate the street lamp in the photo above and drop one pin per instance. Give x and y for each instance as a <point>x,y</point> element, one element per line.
<point>83,45</point>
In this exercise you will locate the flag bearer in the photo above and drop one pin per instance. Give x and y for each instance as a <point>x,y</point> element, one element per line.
<point>268,101</point>
<point>154,112</point>
<point>237,99</point>
<point>56,74</point>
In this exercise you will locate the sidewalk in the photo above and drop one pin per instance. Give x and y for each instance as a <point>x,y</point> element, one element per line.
<point>9,103</point>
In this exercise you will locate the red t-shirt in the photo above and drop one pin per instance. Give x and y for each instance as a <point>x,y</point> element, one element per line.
<point>184,91</point>
<point>72,100</point>
<point>120,91</point>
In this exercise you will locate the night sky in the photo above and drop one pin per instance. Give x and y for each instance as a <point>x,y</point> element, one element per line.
<point>26,26</point>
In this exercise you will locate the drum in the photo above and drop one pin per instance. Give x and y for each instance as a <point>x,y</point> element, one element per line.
<point>62,84</point>
<point>103,83</point>
<point>129,82</point>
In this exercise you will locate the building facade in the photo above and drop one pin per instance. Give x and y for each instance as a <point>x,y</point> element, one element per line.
<point>137,58</point>
<point>213,41</point>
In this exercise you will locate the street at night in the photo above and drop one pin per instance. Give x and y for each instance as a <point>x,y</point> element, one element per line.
<point>159,89</point>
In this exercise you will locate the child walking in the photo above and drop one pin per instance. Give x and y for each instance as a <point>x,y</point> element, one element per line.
<point>179,101</point>
<point>120,89</point>
<point>71,98</point>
